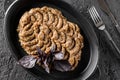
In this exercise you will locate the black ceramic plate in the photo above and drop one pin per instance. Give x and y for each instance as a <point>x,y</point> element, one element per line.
<point>89,53</point>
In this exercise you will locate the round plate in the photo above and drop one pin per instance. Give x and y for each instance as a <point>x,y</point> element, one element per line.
<point>89,58</point>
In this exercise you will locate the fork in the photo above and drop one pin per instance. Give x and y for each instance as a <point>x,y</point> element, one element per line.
<point>100,25</point>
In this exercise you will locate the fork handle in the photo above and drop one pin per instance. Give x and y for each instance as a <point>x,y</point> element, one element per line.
<point>111,40</point>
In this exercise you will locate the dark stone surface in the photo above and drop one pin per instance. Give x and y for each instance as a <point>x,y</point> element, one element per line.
<point>109,62</point>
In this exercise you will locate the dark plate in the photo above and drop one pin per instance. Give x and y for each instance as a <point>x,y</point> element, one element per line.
<point>89,59</point>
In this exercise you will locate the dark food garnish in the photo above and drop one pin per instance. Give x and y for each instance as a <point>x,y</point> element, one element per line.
<point>62,65</point>
<point>27,61</point>
<point>53,59</point>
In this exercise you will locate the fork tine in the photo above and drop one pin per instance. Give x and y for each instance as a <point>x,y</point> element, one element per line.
<point>97,13</point>
<point>92,15</point>
<point>95,16</point>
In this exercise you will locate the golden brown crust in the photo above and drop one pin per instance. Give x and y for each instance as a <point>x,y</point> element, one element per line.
<point>45,27</point>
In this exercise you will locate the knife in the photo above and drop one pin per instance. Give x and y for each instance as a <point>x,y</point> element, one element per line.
<point>105,8</point>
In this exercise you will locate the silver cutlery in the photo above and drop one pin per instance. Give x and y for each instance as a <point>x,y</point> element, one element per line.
<point>105,8</point>
<point>100,25</point>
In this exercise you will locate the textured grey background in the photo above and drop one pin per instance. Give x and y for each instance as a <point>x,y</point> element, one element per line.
<point>109,63</point>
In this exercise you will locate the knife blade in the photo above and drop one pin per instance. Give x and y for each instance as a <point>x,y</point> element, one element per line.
<point>105,8</point>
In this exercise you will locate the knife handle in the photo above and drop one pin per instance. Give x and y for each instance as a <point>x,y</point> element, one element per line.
<point>111,40</point>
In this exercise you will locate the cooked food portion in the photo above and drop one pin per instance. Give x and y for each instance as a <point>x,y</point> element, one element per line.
<point>46,27</point>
